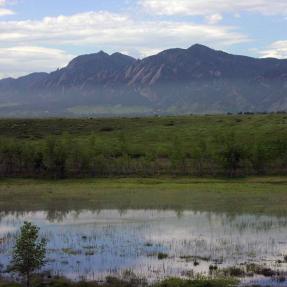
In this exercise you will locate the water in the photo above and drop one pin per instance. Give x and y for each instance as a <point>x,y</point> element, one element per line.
<point>94,244</point>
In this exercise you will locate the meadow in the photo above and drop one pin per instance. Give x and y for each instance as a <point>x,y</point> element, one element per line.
<point>211,145</point>
<point>258,196</point>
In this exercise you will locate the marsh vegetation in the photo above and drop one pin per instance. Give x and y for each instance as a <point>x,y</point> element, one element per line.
<point>155,245</point>
<point>153,228</point>
<point>258,195</point>
<point>148,199</point>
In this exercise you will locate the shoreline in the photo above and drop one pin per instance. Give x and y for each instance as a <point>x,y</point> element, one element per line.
<point>254,195</point>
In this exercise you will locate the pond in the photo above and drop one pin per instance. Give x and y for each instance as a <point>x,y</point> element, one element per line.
<point>151,243</point>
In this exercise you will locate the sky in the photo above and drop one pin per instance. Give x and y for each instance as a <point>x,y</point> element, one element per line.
<point>43,35</point>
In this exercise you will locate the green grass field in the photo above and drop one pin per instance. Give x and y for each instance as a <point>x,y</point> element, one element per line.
<point>147,131</point>
<point>109,110</point>
<point>264,195</point>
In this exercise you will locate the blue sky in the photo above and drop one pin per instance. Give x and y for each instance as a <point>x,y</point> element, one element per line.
<point>42,35</point>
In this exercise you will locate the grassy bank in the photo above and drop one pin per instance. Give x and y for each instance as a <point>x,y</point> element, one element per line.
<point>235,145</point>
<point>264,195</point>
<point>114,282</point>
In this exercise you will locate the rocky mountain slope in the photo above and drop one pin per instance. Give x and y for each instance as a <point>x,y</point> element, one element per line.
<point>175,81</point>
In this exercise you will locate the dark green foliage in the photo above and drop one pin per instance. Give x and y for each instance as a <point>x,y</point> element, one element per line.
<point>230,146</point>
<point>229,153</point>
<point>162,256</point>
<point>29,252</point>
<point>234,272</point>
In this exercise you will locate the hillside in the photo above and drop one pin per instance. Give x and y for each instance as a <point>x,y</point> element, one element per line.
<point>176,81</point>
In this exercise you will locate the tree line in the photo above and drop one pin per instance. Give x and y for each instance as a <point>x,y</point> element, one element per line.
<point>67,156</point>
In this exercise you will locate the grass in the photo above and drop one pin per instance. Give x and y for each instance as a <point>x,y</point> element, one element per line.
<point>263,195</point>
<point>108,110</point>
<point>175,282</point>
<point>149,130</point>
<point>134,282</point>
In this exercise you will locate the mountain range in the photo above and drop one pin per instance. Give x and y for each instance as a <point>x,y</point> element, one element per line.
<point>197,80</point>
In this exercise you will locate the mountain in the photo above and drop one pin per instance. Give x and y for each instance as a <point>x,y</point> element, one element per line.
<point>175,81</point>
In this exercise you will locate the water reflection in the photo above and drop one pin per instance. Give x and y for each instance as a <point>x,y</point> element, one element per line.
<point>94,244</point>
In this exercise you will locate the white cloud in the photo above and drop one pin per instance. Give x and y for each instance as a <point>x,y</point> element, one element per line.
<point>22,60</point>
<point>214,19</point>
<point>277,49</point>
<point>5,11</point>
<point>210,7</point>
<point>105,31</point>
<point>114,30</point>
<point>145,52</point>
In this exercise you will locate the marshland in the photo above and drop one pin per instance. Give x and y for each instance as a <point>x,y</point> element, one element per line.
<point>139,201</point>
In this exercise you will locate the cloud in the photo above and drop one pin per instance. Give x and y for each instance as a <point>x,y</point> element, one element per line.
<point>22,60</point>
<point>277,49</point>
<point>210,7</point>
<point>103,31</point>
<point>214,19</point>
<point>145,52</point>
<point>5,11</point>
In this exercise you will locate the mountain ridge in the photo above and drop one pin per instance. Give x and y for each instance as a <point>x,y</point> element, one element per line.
<point>175,81</point>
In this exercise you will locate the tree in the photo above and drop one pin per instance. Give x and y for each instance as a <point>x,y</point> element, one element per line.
<point>230,153</point>
<point>178,156</point>
<point>29,252</point>
<point>56,154</point>
<point>201,155</point>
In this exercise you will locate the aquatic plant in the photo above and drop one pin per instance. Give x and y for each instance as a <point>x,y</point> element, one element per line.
<point>162,256</point>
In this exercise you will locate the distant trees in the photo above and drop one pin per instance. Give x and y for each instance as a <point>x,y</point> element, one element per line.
<point>56,156</point>
<point>221,153</point>
<point>29,252</point>
<point>178,157</point>
<point>229,153</point>
<point>201,156</point>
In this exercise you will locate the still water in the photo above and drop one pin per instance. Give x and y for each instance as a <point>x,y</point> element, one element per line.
<point>94,244</point>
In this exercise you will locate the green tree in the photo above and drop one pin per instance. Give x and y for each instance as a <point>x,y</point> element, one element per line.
<point>56,154</point>
<point>230,153</point>
<point>201,155</point>
<point>29,252</point>
<point>178,156</point>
